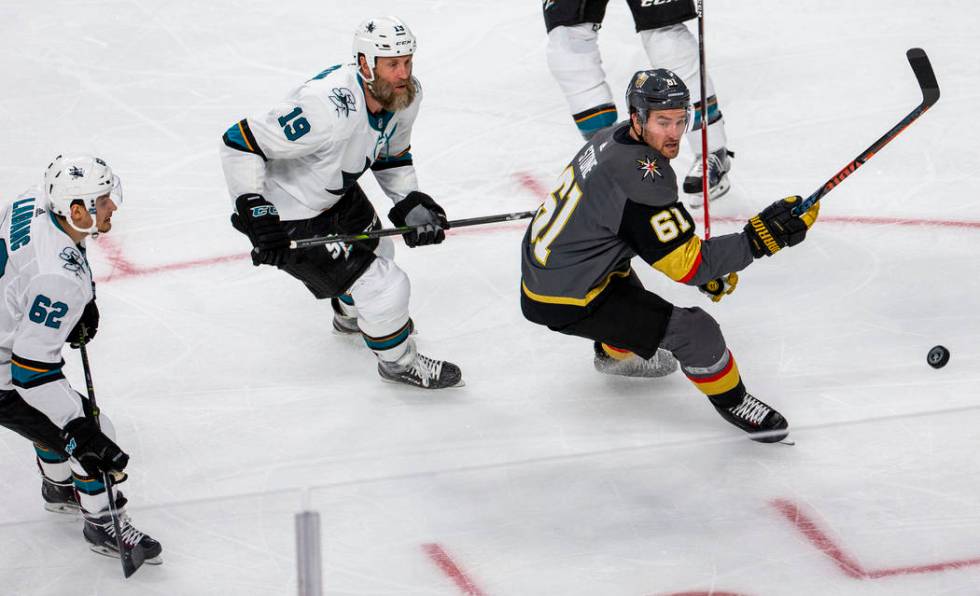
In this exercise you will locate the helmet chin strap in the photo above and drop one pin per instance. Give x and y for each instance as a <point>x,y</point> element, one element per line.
<point>92,230</point>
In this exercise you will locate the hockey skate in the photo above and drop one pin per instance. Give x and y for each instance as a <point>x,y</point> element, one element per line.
<point>100,533</point>
<point>342,323</point>
<point>719,164</point>
<point>661,364</point>
<point>421,371</point>
<point>59,497</point>
<point>763,423</point>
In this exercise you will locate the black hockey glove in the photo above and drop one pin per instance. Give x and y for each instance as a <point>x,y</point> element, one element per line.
<point>93,450</point>
<point>89,320</point>
<point>777,227</point>
<point>259,220</point>
<point>720,287</point>
<point>419,210</point>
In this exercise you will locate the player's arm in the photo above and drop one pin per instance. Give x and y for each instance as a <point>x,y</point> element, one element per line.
<point>664,237</point>
<point>292,129</point>
<point>394,169</point>
<point>53,306</point>
<point>395,173</point>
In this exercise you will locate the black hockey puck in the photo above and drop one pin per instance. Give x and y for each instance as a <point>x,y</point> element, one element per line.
<point>938,357</point>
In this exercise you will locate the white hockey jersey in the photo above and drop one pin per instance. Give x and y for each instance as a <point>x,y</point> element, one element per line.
<point>310,149</point>
<point>45,283</point>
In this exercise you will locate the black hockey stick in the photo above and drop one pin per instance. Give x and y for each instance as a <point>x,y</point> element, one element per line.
<point>930,95</point>
<point>131,558</point>
<point>702,75</point>
<point>456,223</point>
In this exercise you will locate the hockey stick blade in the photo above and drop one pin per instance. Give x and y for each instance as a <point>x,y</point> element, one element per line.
<point>930,94</point>
<point>925,75</point>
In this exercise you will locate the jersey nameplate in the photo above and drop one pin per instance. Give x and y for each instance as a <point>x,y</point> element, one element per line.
<point>20,223</point>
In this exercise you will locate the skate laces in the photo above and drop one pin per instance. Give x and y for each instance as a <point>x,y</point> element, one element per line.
<point>751,409</point>
<point>130,534</point>
<point>714,166</point>
<point>426,369</point>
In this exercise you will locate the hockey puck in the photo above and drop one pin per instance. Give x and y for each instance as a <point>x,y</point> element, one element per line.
<point>938,357</point>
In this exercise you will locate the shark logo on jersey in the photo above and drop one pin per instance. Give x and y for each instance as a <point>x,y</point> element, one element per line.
<point>76,172</point>
<point>73,259</point>
<point>343,101</point>
<point>649,168</point>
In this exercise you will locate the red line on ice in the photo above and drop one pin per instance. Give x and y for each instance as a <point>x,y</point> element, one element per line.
<point>847,564</point>
<point>451,569</point>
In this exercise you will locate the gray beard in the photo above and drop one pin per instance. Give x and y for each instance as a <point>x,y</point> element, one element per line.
<point>389,99</point>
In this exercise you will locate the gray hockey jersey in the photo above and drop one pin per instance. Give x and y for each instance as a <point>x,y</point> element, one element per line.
<point>617,199</point>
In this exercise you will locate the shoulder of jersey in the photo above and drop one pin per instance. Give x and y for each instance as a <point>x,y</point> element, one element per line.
<point>54,251</point>
<point>335,92</point>
<point>644,175</point>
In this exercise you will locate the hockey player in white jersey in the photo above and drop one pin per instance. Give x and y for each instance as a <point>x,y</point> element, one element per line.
<point>292,173</point>
<point>574,59</point>
<point>49,296</point>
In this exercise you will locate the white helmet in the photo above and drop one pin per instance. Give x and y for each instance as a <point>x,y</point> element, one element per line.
<point>384,37</point>
<point>80,178</point>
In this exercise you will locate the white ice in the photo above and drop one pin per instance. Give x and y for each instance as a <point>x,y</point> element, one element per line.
<point>240,407</point>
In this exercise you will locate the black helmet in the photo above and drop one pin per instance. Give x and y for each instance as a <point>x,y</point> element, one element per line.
<point>656,89</point>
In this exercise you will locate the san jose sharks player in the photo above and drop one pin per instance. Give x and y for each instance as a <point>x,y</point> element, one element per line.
<point>575,62</point>
<point>618,199</point>
<point>48,296</point>
<point>292,173</point>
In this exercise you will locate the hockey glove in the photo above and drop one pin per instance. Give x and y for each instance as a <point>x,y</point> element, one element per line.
<point>90,321</point>
<point>718,288</point>
<point>93,450</point>
<point>777,227</point>
<point>259,220</point>
<point>424,214</point>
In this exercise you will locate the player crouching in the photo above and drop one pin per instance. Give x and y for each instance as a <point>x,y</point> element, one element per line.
<point>617,199</point>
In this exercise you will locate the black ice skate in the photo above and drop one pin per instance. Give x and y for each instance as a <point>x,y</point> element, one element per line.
<point>421,371</point>
<point>343,323</point>
<point>662,364</point>
<point>763,423</point>
<point>100,533</point>
<point>719,164</point>
<point>59,497</point>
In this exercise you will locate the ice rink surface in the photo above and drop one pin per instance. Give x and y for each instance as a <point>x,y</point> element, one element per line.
<point>241,407</point>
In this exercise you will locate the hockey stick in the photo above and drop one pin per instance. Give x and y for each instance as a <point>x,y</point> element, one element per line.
<point>456,223</point>
<point>930,95</point>
<point>704,119</point>
<point>131,558</point>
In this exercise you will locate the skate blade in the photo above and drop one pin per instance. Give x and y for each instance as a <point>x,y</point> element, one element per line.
<point>62,508</point>
<point>461,383</point>
<point>105,551</point>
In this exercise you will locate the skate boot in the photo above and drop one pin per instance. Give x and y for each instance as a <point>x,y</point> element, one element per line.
<point>343,323</point>
<point>662,364</point>
<point>59,497</point>
<point>100,533</point>
<point>753,416</point>
<point>421,371</point>
<point>719,164</point>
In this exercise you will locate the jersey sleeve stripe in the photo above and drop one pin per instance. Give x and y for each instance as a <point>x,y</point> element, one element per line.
<point>682,263</point>
<point>239,136</point>
<point>397,161</point>
<point>26,373</point>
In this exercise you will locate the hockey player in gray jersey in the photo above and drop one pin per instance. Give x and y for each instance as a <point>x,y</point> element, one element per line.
<point>618,199</point>
<point>292,173</point>
<point>49,296</point>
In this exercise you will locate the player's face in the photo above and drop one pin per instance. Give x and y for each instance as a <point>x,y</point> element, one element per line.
<point>664,129</point>
<point>104,208</point>
<point>392,85</point>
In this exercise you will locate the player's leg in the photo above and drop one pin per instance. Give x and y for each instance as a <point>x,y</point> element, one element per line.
<point>370,288</point>
<point>575,62</point>
<point>696,340</point>
<point>670,44</point>
<point>57,489</point>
